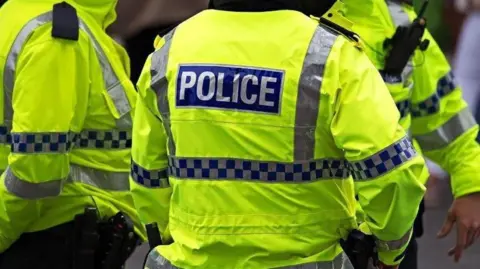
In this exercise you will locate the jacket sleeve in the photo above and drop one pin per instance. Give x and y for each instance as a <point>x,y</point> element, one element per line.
<point>441,121</point>
<point>44,101</point>
<point>150,185</point>
<point>384,165</point>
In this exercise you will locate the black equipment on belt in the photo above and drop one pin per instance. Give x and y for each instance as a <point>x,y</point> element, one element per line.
<point>361,250</point>
<point>404,43</point>
<point>117,242</point>
<point>103,244</point>
<point>153,235</point>
<point>154,239</point>
<point>86,239</point>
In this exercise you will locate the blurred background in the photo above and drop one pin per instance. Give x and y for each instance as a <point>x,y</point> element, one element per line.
<point>455,24</point>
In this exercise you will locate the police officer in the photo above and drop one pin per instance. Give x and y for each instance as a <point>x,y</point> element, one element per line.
<point>250,124</point>
<point>65,131</point>
<point>432,110</point>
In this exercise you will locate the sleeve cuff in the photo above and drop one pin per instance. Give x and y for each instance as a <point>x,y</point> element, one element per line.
<point>393,252</point>
<point>465,184</point>
<point>392,258</point>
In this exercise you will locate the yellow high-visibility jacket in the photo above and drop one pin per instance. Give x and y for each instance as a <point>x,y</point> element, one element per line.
<point>248,130</point>
<point>66,117</point>
<point>427,96</point>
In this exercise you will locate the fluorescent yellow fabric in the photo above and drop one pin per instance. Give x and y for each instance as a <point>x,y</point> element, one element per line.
<point>59,88</point>
<point>150,140</point>
<point>235,223</point>
<point>436,99</point>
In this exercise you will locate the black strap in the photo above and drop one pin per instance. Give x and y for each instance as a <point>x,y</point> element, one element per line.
<point>65,22</point>
<point>347,33</point>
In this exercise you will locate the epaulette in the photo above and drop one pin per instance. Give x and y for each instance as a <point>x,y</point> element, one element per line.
<point>335,20</point>
<point>341,30</point>
<point>65,23</point>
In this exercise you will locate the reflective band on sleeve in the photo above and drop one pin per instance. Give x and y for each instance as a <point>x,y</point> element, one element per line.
<point>96,139</point>
<point>308,96</point>
<point>112,83</point>
<point>159,84</point>
<point>399,16</point>
<point>109,181</point>
<point>404,108</point>
<point>27,190</point>
<point>63,142</point>
<point>384,161</point>
<point>41,142</point>
<point>393,245</point>
<point>447,133</point>
<point>155,260</point>
<point>265,171</point>
<point>11,62</point>
<point>105,180</point>
<point>431,105</point>
<point>150,178</point>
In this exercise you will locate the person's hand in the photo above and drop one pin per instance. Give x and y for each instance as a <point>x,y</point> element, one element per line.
<point>465,212</point>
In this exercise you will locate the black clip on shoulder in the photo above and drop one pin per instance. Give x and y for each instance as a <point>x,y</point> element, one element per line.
<point>65,23</point>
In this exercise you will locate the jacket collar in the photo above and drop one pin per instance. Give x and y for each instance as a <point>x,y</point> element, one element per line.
<point>254,5</point>
<point>102,11</point>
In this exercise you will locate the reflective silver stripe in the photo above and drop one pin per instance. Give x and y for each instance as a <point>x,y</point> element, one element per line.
<point>27,190</point>
<point>156,261</point>
<point>264,171</point>
<point>41,142</point>
<point>11,62</point>
<point>150,178</point>
<point>159,84</point>
<point>399,16</point>
<point>447,133</point>
<point>308,98</point>
<point>109,181</point>
<point>394,244</point>
<point>112,83</point>
<point>384,161</point>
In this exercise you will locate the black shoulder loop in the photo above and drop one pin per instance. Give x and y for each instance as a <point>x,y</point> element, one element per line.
<point>65,22</point>
<point>345,32</point>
